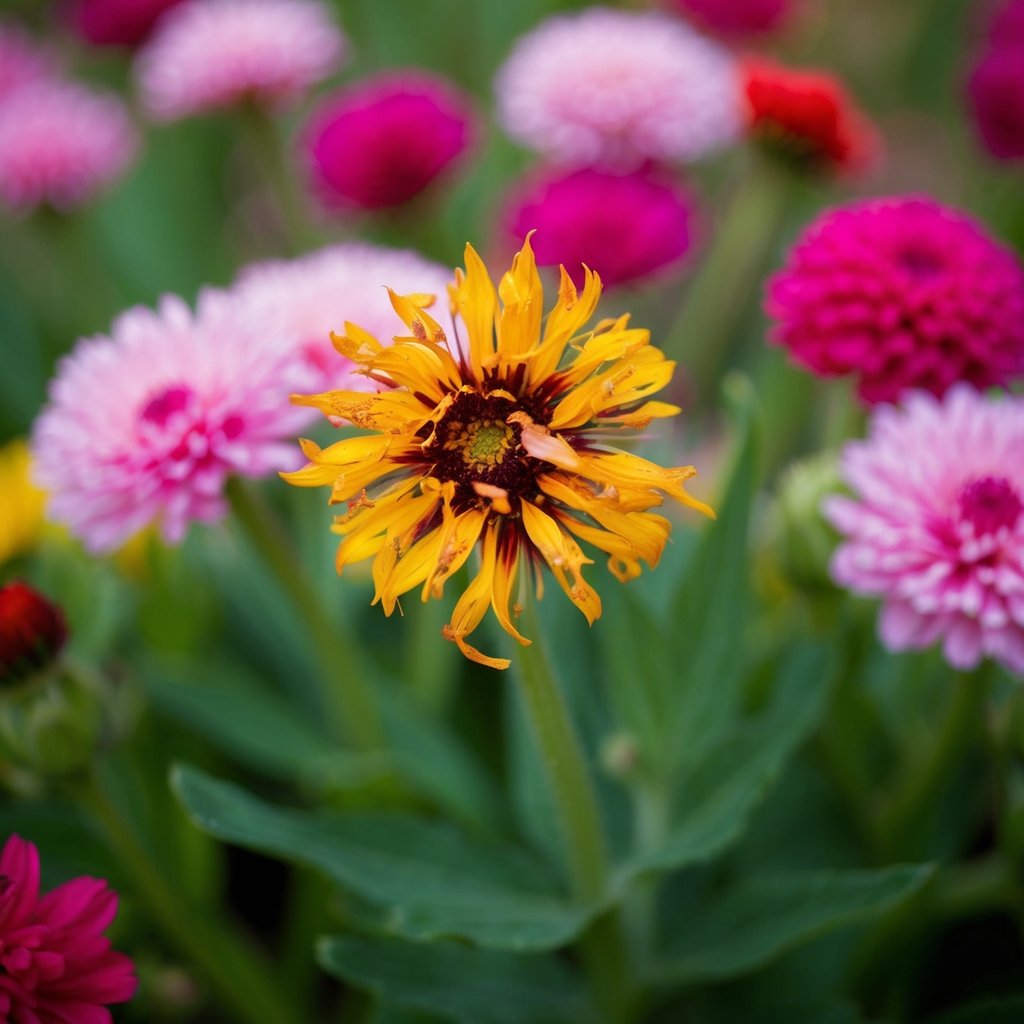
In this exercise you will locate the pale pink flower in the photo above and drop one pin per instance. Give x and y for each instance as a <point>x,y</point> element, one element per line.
<point>61,143</point>
<point>22,62</point>
<point>209,54</point>
<point>315,294</point>
<point>56,965</point>
<point>619,87</point>
<point>936,527</point>
<point>146,425</point>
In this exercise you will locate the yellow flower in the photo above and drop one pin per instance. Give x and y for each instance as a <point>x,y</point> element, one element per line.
<point>21,502</point>
<point>490,445</point>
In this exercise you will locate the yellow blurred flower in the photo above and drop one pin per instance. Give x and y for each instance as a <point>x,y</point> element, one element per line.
<point>21,502</point>
<point>492,445</point>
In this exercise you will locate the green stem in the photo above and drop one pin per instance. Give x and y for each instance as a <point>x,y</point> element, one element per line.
<point>242,981</point>
<point>905,813</point>
<point>349,696</point>
<point>702,333</point>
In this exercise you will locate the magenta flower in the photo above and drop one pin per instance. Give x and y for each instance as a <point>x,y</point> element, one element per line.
<point>317,293</point>
<point>22,62</point>
<point>146,425</point>
<point>902,293</point>
<point>627,227</point>
<point>210,54</point>
<point>117,22</point>
<point>996,85</point>
<point>56,966</point>
<point>61,143</point>
<point>737,17</point>
<point>618,87</point>
<point>936,527</point>
<point>382,141</point>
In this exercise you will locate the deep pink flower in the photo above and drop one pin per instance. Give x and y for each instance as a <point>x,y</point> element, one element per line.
<point>146,425</point>
<point>627,227</point>
<point>738,17</point>
<point>903,293</point>
<point>56,966</point>
<point>32,631</point>
<point>22,62</point>
<point>318,292</point>
<point>61,143</point>
<point>209,54</point>
<point>996,85</point>
<point>602,86</point>
<point>936,527</point>
<point>382,141</point>
<point>117,22</point>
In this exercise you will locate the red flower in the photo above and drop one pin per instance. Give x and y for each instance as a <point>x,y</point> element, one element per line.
<point>32,631</point>
<point>808,114</point>
<point>117,22</point>
<point>56,966</point>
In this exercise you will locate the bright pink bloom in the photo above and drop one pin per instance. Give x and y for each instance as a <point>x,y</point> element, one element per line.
<point>903,293</point>
<point>996,86</point>
<point>738,17</point>
<point>618,87</point>
<point>382,141</point>
<point>937,525</point>
<point>117,22</point>
<point>56,966</point>
<point>209,54</point>
<point>627,227</point>
<point>60,143</point>
<point>22,62</point>
<point>32,632</point>
<point>146,425</point>
<point>317,293</point>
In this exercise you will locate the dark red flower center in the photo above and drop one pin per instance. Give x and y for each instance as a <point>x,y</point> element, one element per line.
<point>920,263</point>
<point>167,403</point>
<point>990,503</point>
<point>32,632</point>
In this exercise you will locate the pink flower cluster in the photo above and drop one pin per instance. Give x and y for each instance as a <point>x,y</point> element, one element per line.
<point>996,86</point>
<point>209,54</point>
<point>60,142</point>
<point>56,966</point>
<point>901,293</point>
<point>737,17</point>
<point>146,425</point>
<point>936,524</point>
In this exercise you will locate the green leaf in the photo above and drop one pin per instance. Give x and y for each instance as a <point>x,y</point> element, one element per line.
<point>433,880</point>
<point>750,924</point>
<point>990,1011</point>
<point>716,797</point>
<point>458,983</point>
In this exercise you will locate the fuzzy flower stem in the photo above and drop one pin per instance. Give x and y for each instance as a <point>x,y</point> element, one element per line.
<point>917,792</point>
<point>704,331</point>
<point>241,981</point>
<point>349,698</point>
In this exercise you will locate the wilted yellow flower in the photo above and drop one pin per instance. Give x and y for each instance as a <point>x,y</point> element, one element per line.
<point>21,502</point>
<point>492,445</point>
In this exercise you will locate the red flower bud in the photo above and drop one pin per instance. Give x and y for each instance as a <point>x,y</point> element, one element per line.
<point>32,632</point>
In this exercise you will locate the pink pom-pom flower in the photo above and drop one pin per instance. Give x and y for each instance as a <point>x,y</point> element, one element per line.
<point>996,85</point>
<point>210,54</point>
<point>22,62</point>
<point>381,142</point>
<point>146,425</point>
<point>901,293</point>
<point>627,227</point>
<point>61,143</point>
<point>117,22</point>
<point>737,17</point>
<point>618,87</point>
<point>56,966</point>
<point>936,526</point>
<point>318,292</point>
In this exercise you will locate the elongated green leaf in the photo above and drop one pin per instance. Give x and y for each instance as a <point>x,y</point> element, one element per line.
<point>990,1011</point>
<point>715,799</point>
<point>458,983</point>
<point>747,926</point>
<point>432,880</point>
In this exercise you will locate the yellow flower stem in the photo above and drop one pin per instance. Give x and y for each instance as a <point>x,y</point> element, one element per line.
<point>583,837</point>
<point>242,981</point>
<point>349,696</point>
